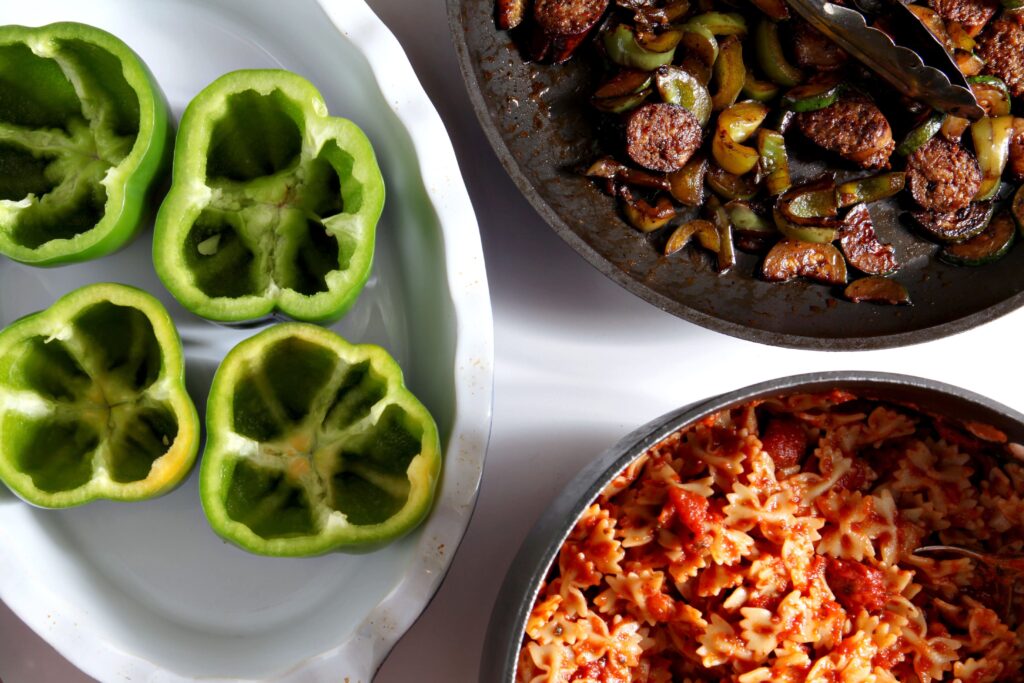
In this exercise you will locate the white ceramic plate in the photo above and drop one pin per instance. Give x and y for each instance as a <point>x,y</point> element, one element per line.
<point>146,591</point>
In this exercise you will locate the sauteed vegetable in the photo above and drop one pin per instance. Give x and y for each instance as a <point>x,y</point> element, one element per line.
<point>708,104</point>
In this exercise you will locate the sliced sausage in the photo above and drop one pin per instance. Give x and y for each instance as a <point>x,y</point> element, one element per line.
<point>861,246</point>
<point>568,17</point>
<point>662,137</point>
<point>943,176</point>
<point>1001,45</point>
<point>854,128</point>
<point>1016,163</point>
<point>814,50</point>
<point>971,14</point>
<point>510,13</point>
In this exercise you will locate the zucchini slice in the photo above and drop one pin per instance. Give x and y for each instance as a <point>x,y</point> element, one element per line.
<point>954,226</point>
<point>877,290</point>
<point>992,243</point>
<point>813,96</point>
<point>917,137</point>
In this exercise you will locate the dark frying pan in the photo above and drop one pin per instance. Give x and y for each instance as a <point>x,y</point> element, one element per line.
<point>542,129</point>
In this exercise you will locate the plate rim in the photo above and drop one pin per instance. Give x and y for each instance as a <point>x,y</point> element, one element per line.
<point>366,648</point>
<point>692,315</point>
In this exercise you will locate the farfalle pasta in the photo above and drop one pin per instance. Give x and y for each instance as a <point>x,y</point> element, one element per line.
<point>774,542</point>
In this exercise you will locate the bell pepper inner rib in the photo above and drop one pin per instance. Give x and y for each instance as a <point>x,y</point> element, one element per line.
<point>115,400</point>
<point>77,161</point>
<point>313,454</point>
<point>273,216</point>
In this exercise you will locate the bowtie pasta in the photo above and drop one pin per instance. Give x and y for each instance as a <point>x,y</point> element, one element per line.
<point>774,542</point>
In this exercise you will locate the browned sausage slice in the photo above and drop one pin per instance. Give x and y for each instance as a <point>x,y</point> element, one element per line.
<point>510,13</point>
<point>971,14</point>
<point>861,246</point>
<point>815,51</point>
<point>791,258</point>
<point>854,128</point>
<point>662,137</point>
<point>943,176</point>
<point>1001,45</point>
<point>568,17</point>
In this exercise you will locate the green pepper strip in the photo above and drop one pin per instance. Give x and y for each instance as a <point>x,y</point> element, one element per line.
<point>992,145</point>
<point>871,189</point>
<point>273,206</point>
<point>93,401</point>
<point>678,86</point>
<point>315,445</point>
<point>687,184</point>
<point>818,234</point>
<point>622,48</point>
<point>704,230</point>
<point>718,24</point>
<point>726,250</point>
<point>730,186</point>
<point>771,57</point>
<point>743,217</point>
<point>730,73</point>
<point>84,137</point>
<point>622,103</point>
<point>700,41</point>
<point>735,125</point>
<point>774,160</point>
<point>762,91</point>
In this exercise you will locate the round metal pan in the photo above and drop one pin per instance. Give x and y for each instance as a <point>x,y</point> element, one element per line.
<point>542,129</point>
<point>540,548</point>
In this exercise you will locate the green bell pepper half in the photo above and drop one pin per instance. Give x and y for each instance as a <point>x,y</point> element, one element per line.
<point>93,401</point>
<point>84,138</point>
<point>273,204</point>
<point>315,445</point>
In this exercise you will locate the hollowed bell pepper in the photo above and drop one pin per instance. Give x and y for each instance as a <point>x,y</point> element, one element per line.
<point>273,204</point>
<point>93,401</point>
<point>84,135</point>
<point>315,445</point>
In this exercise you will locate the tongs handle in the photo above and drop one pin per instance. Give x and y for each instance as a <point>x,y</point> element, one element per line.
<point>902,67</point>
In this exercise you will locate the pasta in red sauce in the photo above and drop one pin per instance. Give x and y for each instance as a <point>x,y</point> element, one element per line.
<point>774,542</point>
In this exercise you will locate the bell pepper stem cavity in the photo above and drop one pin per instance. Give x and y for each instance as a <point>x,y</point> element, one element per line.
<point>315,445</point>
<point>93,402</point>
<point>83,141</point>
<point>273,206</point>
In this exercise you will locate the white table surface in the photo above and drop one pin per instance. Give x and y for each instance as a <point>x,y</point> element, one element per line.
<point>579,363</point>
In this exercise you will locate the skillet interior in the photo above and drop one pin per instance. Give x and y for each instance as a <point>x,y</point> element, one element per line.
<point>542,129</point>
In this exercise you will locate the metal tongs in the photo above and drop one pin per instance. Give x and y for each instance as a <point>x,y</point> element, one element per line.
<point>938,82</point>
